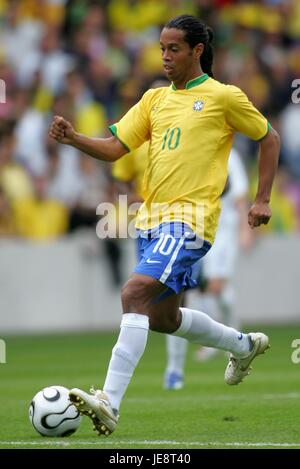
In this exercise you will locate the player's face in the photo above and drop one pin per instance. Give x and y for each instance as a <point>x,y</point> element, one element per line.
<point>180,61</point>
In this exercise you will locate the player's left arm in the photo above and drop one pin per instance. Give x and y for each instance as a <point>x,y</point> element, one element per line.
<point>260,212</point>
<point>243,117</point>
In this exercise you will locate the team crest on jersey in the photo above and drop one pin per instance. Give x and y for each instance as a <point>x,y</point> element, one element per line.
<point>198,105</point>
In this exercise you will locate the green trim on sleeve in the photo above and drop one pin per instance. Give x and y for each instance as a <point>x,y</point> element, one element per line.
<point>269,127</point>
<point>114,131</point>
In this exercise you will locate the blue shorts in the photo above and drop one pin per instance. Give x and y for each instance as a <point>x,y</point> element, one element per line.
<point>168,253</point>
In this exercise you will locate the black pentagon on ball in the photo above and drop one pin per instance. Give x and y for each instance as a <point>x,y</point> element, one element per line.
<point>54,398</point>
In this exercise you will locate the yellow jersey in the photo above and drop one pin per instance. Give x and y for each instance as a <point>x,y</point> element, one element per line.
<point>132,166</point>
<point>191,133</point>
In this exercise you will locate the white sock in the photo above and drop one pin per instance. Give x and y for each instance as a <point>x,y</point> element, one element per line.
<point>126,353</point>
<point>199,328</point>
<point>176,352</point>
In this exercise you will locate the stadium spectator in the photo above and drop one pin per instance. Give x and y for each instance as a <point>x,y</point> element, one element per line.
<point>285,201</point>
<point>7,223</point>
<point>40,218</point>
<point>14,179</point>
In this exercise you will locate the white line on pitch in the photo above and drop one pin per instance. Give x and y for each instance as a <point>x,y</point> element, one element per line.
<point>149,442</point>
<point>218,397</point>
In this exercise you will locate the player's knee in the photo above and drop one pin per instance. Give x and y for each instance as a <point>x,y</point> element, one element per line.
<point>163,323</point>
<point>129,294</point>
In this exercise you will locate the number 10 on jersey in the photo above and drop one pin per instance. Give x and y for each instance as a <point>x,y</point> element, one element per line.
<point>171,138</point>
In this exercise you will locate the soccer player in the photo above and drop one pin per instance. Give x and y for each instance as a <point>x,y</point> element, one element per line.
<point>190,126</point>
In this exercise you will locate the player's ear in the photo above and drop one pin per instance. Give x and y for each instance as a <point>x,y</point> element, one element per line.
<point>198,50</point>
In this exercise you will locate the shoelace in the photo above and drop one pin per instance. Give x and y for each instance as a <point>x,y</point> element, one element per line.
<point>95,392</point>
<point>99,394</point>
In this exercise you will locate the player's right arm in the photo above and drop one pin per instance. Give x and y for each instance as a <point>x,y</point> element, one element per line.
<point>106,149</point>
<point>129,133</point>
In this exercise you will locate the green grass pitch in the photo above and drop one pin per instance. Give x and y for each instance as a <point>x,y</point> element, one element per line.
<point>262,412</point>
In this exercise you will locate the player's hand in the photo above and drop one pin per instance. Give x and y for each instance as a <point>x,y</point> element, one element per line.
<point>61,130</point>
<point>259,214</point>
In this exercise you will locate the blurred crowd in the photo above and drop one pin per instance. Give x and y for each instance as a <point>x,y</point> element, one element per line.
<point>90,61</point>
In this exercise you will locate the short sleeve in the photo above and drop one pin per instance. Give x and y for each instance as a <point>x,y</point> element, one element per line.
<point>123,168</point>
<point>242,116</point>
<point>134,128</point>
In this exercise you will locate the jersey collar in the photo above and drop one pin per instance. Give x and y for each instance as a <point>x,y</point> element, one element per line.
<point>195,82</point>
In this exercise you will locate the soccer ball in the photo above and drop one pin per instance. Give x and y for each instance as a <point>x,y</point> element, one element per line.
<point>52,414</point>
